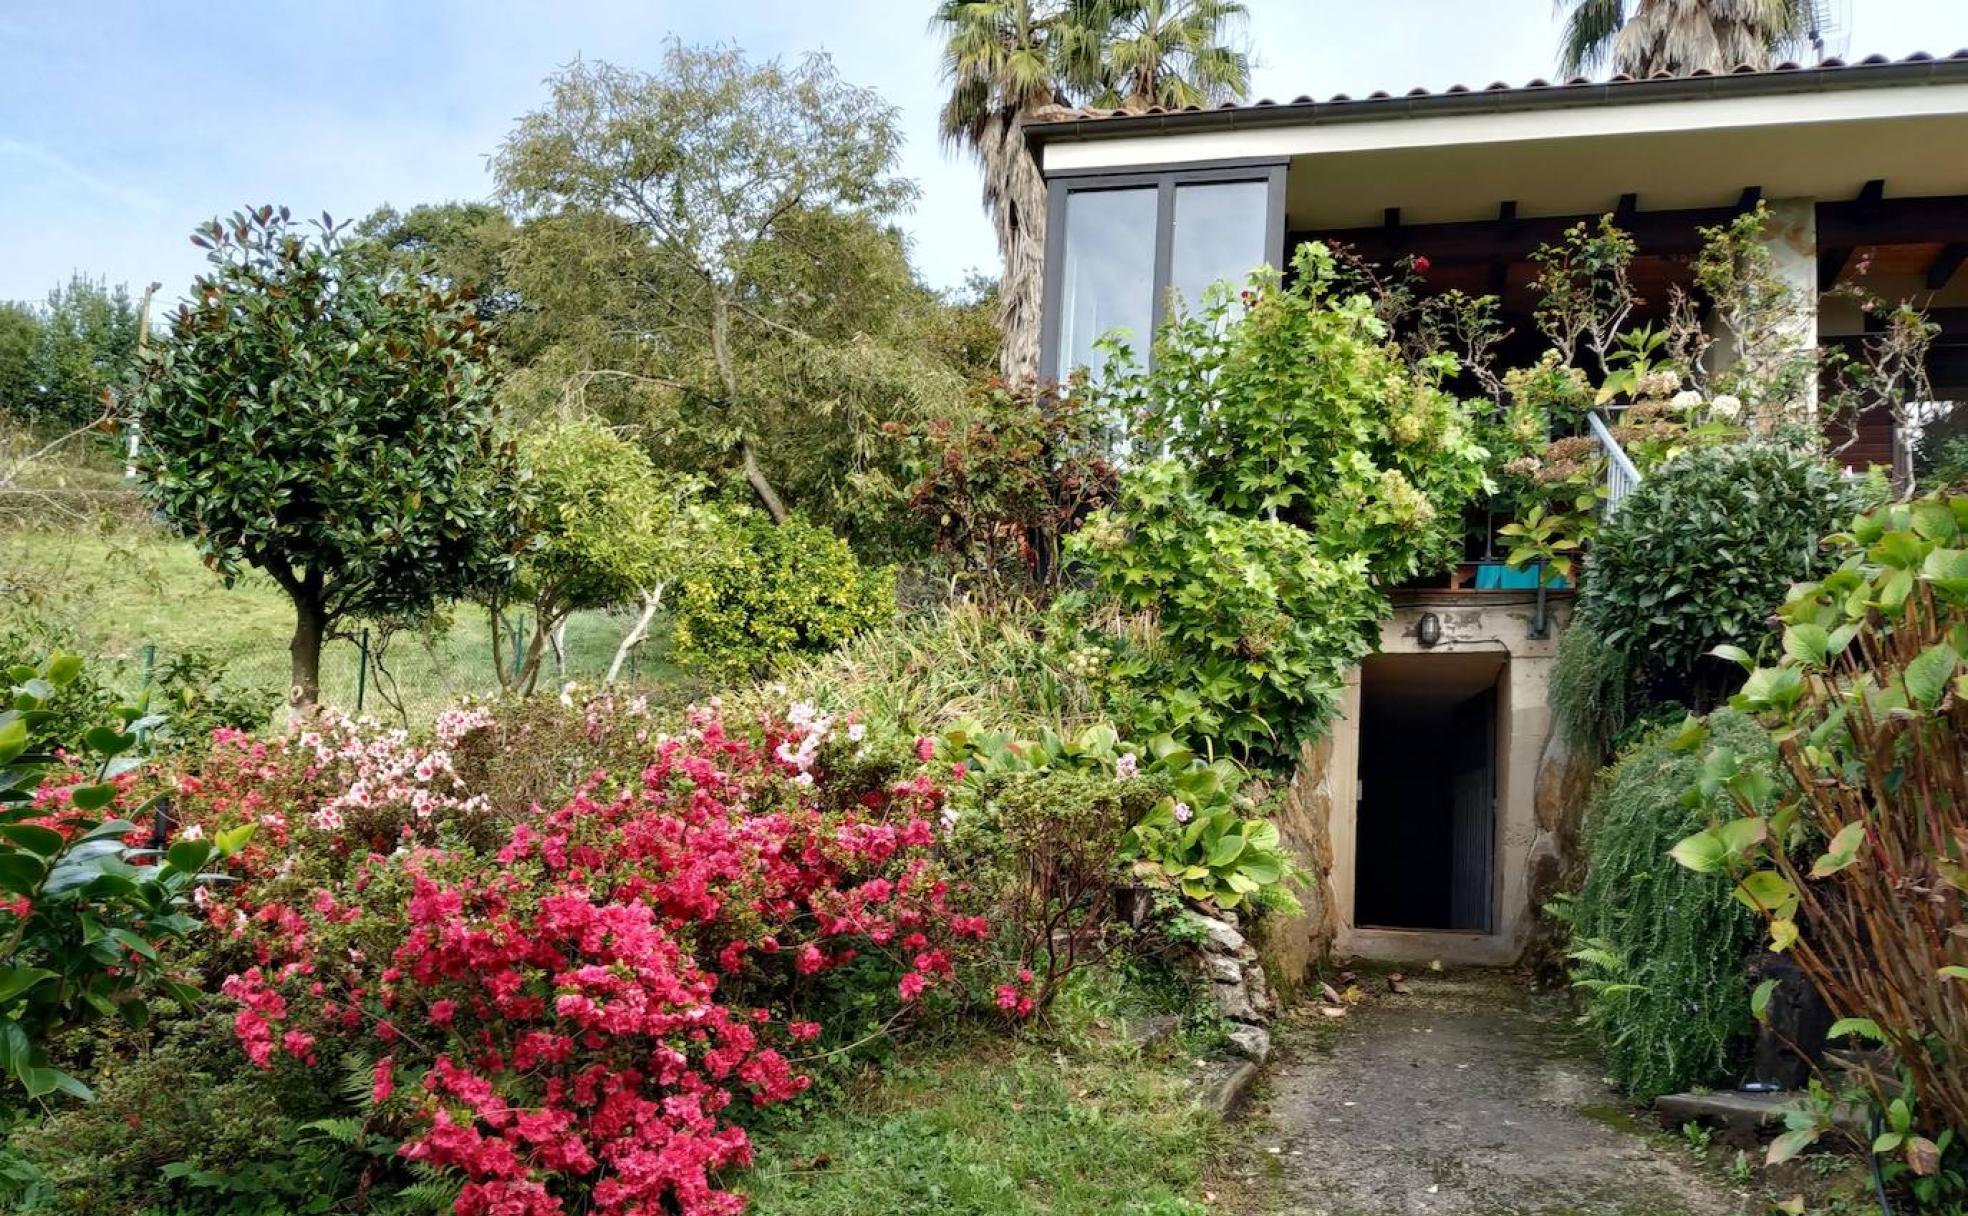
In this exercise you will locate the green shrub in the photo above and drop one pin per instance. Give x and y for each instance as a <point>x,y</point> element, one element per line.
<point>1248,629</point>
<point>1591,688</point>
<point>1006,665</point>
<point>1702,553</point>
<point>1660,949</point>
<point>764,592</point>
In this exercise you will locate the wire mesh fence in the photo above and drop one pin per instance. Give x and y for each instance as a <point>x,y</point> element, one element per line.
<point>410,676</point>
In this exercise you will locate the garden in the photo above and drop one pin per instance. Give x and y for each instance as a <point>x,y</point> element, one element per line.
<point>973,706</point>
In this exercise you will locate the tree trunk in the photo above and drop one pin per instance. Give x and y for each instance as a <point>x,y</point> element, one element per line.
<point>650,603</point>
<point>1015,196</point>
<point>304,657</point>
<point>761,486</point>
<point>536,648</point>
<point>727,370</point>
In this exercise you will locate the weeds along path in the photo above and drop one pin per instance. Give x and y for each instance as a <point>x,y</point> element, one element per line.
<point>1466,1096</point>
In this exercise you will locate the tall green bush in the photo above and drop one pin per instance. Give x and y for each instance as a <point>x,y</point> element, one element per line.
<point>1659,949</point>
<point>1702,553</point>
<point>764,592</point>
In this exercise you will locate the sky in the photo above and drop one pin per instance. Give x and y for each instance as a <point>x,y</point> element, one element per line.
<point>125,123</point>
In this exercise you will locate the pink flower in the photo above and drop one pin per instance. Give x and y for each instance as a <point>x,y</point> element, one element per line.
<point>925,749</point>
<point>912,985</point>
<point>1182,812</point>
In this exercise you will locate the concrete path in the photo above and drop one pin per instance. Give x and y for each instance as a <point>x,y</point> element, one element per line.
<point>1467,1096</point>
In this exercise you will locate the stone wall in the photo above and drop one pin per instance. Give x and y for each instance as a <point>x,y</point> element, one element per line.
<point>1291,946</point>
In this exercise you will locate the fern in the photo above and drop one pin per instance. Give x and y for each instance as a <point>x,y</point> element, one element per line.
<point>1659,949</point>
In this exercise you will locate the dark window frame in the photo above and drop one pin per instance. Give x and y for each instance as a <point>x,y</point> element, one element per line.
<point>1163,179</point>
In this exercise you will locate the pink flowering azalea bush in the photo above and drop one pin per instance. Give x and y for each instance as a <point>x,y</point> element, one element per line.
<point>569,1005</point>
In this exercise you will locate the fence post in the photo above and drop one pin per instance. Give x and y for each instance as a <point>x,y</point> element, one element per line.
<point>150,664</point>
<point>362,668</point>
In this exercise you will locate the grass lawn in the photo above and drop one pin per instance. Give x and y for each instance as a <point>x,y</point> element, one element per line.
<point>120,590</point>
<point>1081,1121</point>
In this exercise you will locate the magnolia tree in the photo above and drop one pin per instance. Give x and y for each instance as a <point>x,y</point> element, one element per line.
<point>327,427</point>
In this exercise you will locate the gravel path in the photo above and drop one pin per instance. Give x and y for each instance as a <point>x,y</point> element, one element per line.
<point>1467,1096</point>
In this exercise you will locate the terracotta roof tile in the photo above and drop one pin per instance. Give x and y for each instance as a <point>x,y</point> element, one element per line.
<point>1063,114</point>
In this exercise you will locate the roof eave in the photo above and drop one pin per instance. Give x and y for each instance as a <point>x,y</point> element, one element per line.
<point>1776,82</point>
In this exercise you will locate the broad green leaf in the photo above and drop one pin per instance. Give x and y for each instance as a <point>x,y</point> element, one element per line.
<point>106,742</point>
<point>1768,892</point>
<point>1783,935</point>
<point>16,980</point>
<point>1842,851</point>
<point>1928,675</point>
<point>189,856</point>
<point>93,797</point>
<point>1759,1000</point>
<point>1864,1028</point>
<point>1808,644</point>
<point>1703,852</point>
<point>45,842</point>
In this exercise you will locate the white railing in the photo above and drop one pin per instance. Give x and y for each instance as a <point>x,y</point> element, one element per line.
<point>1622,478</point>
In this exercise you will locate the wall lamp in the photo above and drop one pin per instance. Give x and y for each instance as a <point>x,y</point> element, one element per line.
<point>1428,630</point>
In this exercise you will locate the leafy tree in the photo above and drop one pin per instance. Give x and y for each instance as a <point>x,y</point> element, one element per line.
<point>602,526</point>
<point>725,187</point>
<point>329,427</point>
<point>56,361</point>
<point>20,340</point>
<point>1005,61</point>
<point>459,247</point>
<point>1641,37</point>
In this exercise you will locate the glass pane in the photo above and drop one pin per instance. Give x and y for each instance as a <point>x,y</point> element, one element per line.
<point>1108,281</point>
<point>1220,233</point>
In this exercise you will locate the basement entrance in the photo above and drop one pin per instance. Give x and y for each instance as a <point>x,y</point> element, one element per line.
<point>1427,794</point>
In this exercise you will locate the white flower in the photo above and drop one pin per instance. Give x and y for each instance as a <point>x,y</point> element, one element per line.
<point>1182,812</point>
<point>567,695</point>
<point>1726,407</point>
<point>857,732</point>
<point>195,831</point>
<point>1126,767</point>
<point>1686,399</point>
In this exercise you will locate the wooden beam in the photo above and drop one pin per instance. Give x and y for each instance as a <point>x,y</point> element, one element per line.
<point>1629,206</point>
<point>1945,263</point>
<point>1841,225</point>
<point>1751,196</point>
<point>1893,221</point>
<point>1391,219</point>
<point>1831,265</point>
<point>1506,227</point>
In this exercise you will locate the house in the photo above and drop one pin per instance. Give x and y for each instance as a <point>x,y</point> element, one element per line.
<point>1442,808</point>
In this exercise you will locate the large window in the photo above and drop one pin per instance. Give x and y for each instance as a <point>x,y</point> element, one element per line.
<point>1120,247</point>
<point>1108,278</point>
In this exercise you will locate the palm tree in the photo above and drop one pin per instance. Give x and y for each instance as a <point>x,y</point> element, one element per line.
<point>1641,37</point>
<point>1005,61</point>
<point>1173,53</point>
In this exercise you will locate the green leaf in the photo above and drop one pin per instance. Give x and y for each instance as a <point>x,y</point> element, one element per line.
<point>1954,973</point>
<point>1842,851</point>
<point>1759,1000</point>
<point>1703,852</point>
<point>189,856</point>
<point>46,842</point>
<point>1768,892</point>
<point>16,980</point>
<point>13,740</point>
<point>1928,675</point>
<point>106,742</point>
<point>1864,1028</point>
<point>233,839</point>
<point>1735,654</point>
<point>93,797</point>
<point>1808,644</point>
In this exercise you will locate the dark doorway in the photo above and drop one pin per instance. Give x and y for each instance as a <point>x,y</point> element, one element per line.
<point>1426,812</point>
